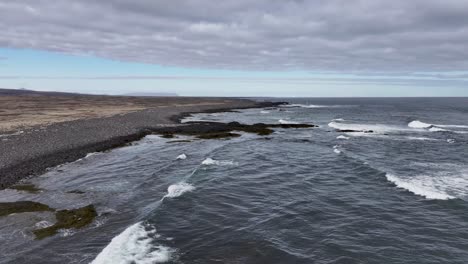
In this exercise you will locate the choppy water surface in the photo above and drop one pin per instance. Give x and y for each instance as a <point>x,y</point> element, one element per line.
<point>397,195</point>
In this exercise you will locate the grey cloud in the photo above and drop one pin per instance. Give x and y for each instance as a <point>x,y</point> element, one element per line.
<point>335,36</point>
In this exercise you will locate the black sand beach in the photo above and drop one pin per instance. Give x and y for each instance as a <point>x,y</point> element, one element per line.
<point>31,151</point>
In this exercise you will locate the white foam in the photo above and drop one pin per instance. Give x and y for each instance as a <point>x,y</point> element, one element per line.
<point>43,224</point>
<point>376,128</point>
<point>90,154</point>
<point>418,124</point>
<point>338,120</point>
<point>421,138</point>
<point>336,149</point>
<point>452,126</point>
<point>420,185</point>
<point>210,161</point>
<point>176,190</point>
<point>181,157</point>
<point>342,137</point>
<point>451,141</point>
<point>437,129</point>
<point>264,112</point>
<point>287,122</point>
<point>134,245</point>
<point>315,106</point>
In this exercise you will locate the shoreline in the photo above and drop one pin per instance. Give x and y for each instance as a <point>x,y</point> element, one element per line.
<point>31,153</point>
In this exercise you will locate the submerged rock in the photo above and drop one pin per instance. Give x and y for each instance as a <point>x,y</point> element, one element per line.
<point>66,219</point>
<point>30,188</point>
<point>218,135</point>
<point>22,207</point>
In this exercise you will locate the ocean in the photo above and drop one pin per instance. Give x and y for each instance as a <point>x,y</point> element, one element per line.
<point>392,189</point>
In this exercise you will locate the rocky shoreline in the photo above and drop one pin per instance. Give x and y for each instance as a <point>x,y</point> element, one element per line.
<point>33,151</point>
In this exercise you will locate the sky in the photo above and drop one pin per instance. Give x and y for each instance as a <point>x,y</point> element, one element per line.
<point>293,48</point>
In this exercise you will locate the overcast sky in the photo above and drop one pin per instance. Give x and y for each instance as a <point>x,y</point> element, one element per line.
<point>237,47</point>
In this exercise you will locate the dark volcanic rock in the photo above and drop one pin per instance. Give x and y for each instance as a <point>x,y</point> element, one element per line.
<point>22,207</point>
<point>66,219</point>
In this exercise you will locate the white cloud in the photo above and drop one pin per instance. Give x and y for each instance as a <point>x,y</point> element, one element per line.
<point>334,35</point>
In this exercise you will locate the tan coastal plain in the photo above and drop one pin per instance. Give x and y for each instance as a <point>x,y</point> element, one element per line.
<point>26,111</point>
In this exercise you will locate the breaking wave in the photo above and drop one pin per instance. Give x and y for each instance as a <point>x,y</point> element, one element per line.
<point>210,161</point>
<point>315,106</point>
<point>134,245</point>
<point>178,189</point>
<point>342,137</point>
<point>181,157</point>
<point>377,128</point>
<point>287,122</point>
<point>419,124</point>
<point>336,149</point>
<point>436,127</point>
<point>420,185</point>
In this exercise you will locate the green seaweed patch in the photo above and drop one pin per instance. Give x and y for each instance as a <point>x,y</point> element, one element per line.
<point>22,207</point>
<point>218,135</point>
<point>30,188</point>
<point>66,219</point>
<point>167,135</point>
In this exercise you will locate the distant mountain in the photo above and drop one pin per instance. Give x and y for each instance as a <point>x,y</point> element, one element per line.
<point>5,92</point>
<point>149,94</point>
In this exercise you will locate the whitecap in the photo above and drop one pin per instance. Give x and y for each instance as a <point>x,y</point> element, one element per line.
<point>450,141</point>
<point>315,106</point>
<point>264,112</point>
<point>376,128</point>
<point>420,185</point>
<point>181,157</point>
<point>287,122</point>
<point>134,245</point>
<point>419,124</point>
<point>342,137</point>
<point>210,161</point>
<point>437,129</point>
<point>338,120</point>
<point>336,149</point>
<point>176,190</point>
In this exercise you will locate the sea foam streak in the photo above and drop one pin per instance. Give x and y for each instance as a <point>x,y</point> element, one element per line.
<point>420,185</point>
<point>287,122</point>
<point>436,127</point>
<point>336,149</point>
<point>419,124</point>
<point>210,161</point>
<point>377,128</point>
<point>315,106</point>
<point>178,189</point>
<point>342,137</point>
<point>134,245</point>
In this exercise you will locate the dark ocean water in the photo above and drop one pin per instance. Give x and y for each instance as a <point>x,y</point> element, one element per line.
<point>397,195</point>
